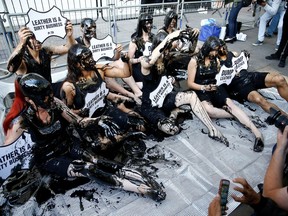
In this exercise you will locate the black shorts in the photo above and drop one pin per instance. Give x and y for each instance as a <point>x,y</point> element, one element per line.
<point>217,98</point>
<point>241,86</point>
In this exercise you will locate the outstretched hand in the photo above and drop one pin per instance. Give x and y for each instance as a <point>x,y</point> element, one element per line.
<point>249,196</point>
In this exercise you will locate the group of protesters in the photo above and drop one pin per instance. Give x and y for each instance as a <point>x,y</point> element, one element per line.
<point>112,104</point>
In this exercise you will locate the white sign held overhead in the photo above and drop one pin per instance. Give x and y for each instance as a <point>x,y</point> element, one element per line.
<point>46,24</point>
<point>102,47</point>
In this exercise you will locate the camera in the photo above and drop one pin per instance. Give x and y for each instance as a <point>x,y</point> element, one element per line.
<point>280,121</point>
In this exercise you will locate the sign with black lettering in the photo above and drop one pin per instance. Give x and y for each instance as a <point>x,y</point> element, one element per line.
<point>15,156</point>
<point>158,96</point>
<point>96,100</point>
<point>46,24</point>
<point>226,75</point>
<point>102,47</point>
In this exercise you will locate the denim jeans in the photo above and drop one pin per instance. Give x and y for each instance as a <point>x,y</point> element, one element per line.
<point>273,24</point>
<point>232,20</point>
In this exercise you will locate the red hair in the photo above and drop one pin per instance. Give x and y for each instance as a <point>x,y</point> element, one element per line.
<point>16,108</point>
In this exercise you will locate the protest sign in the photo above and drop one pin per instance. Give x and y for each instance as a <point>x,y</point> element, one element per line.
<point>226,74</point>
<point>102,47</point>
<point>46,24</point>
<point>157,96</point>
<point>15,156</point>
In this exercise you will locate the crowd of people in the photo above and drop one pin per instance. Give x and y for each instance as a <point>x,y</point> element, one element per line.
<point>81,124</point>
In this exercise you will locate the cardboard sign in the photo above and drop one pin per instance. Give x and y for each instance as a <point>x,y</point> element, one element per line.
<point>226,75</point>
<point>158,96</point>
<point>148,49</point>
<point>95,100</point>
<point>102,47</point>
<point>46,24</point>
<point>15,156</point>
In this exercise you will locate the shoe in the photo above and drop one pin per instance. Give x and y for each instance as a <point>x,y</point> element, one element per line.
<point>276,47</point>
<point>282,62</point>
<point>258,145</point>
<point>229,40</point>
<point>258,43</point>
<point>273,57</point>
<point>267,35</point>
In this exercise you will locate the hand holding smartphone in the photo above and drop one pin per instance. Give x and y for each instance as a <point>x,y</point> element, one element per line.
<point>223,192</point>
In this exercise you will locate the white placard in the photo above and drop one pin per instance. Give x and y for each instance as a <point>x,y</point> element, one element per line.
<point>17,154</point>
<point>226,75</point>
<point>148,49</point>
<point>102,47</point>
<point>46,24</point>
<point>159,94</point>
<point>95,100</point>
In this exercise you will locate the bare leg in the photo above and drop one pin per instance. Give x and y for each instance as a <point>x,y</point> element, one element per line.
<point>134,87</point>
<point>278,81</point>
<point>258,99</point>
<point>113,85</point>
<point>197,108</point>
<point>215,112</point>
<point>242,117</point>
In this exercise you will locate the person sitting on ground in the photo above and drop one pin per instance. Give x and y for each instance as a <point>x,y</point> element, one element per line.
<point>140,45</point>
<point>160,113</point>
<point>84,90</point>
<point>245,84</point>
<point>58,151</point>
<point>202,70</point>
<point>30,55</point>
<point>170,22</point>
<point>88,28</point>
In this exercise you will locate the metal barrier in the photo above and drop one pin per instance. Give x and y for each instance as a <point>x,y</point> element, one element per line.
<point>110,15</point>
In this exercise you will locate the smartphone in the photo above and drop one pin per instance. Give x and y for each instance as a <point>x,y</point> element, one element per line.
<point>223,192</point>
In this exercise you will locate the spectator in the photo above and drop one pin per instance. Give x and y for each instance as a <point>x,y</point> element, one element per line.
<point>232,21</point>
<point>271,8</point>
<point>282,51</point>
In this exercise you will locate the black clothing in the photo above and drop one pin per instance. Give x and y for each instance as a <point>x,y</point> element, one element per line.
<point>43,68</point>
<point>284,39</point>
<point>244,82</point>
<point>205,76</point>
<point>140,43</point>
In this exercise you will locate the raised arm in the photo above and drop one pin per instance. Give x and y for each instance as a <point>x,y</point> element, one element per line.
<point>15,62</point>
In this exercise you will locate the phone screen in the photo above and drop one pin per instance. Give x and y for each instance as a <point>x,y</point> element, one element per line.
<point>223,191</point>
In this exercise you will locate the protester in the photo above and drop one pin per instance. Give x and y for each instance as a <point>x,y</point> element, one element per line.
<point>202,71</point>
<point>170,22</point>
<point>160,114</point>
<point>245,84</point>
<point>60,152</point>
<point>88,28</point>
<point>84,89</point>
<point>140,45</point>
<point>30,55</point>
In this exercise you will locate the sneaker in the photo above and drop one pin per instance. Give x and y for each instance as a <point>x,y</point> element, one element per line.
<point>276,47</point>
<point>258,43</point>
<point>229,40</point>
<point>267,35</point>
<point>273,57</point>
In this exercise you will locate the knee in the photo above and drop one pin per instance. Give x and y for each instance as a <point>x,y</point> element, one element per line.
<point>281,81</point>
<point>259,100</point>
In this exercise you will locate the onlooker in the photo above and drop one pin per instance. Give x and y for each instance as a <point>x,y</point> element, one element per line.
<point>282,51</point>
<point>272,29</point>
<point>232,21</point>
<point>271,8</point>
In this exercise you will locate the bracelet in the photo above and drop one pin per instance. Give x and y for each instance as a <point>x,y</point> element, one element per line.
<point>203,87</point>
